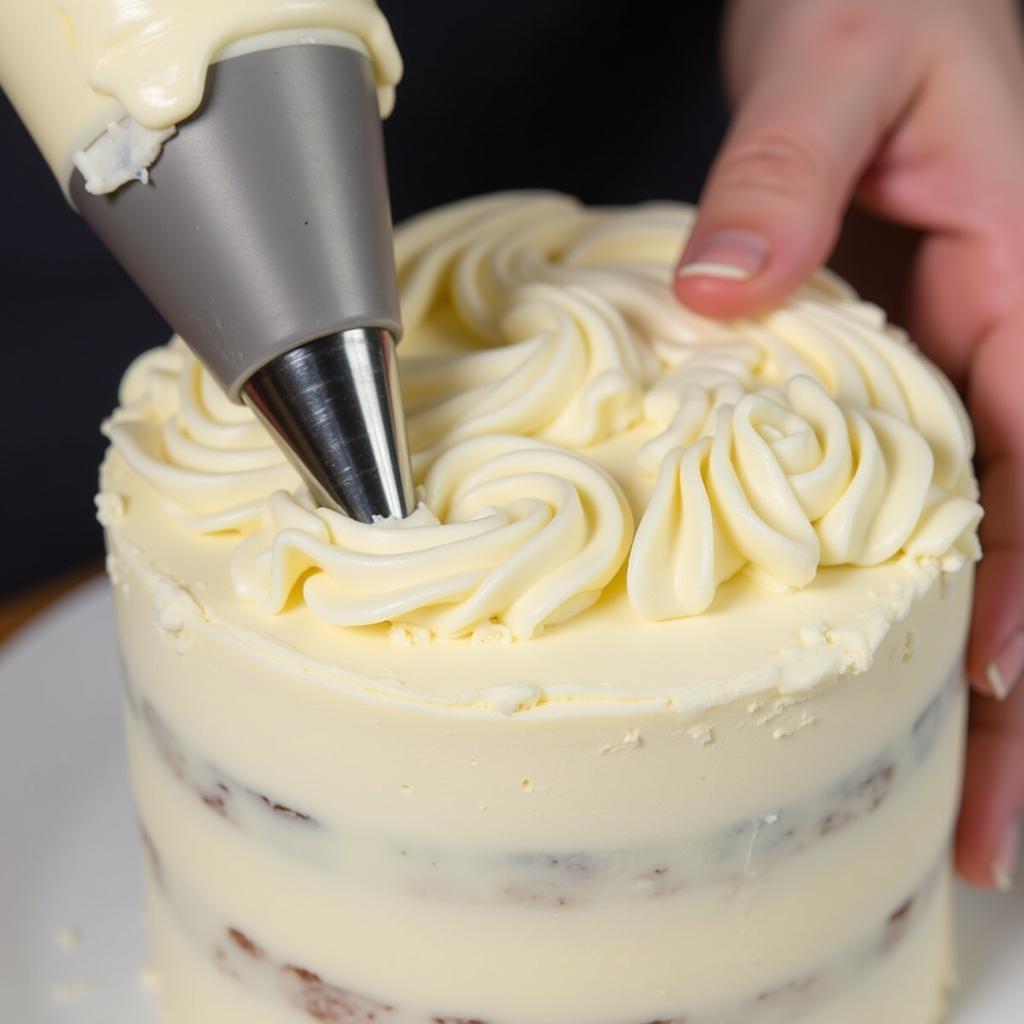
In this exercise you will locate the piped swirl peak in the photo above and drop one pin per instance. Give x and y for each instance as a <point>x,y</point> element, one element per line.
<point>512,531</point>
<point>782,485</point>
<point>556,394</point>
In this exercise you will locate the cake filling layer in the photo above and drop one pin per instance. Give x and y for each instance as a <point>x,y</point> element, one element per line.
<point>270,977</point>
<point>558,877</point>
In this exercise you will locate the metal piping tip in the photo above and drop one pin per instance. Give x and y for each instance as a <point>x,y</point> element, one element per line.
<point>334,406</point>
<point>267,223</point>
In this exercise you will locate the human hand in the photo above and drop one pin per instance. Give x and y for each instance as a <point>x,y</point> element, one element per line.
<point>914,109</point>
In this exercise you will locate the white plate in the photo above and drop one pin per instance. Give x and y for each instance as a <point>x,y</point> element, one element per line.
<point>69,864</point>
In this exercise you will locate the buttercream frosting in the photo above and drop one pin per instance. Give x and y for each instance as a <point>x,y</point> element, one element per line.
<point>732,548</point>
<point>569,420</point>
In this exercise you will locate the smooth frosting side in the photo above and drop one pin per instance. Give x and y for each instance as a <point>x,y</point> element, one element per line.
<point>73,67</point>
<point>558,394</point>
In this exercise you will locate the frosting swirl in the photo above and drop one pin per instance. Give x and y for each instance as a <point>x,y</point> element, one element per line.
<point>782,487</point>
<point>512,531</point>
<point>542,342</point>
<point>209,458</point>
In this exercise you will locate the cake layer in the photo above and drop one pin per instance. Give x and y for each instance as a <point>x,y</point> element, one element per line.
<point>230,978</point>
<point>421,949</point>
<point>559,875</point>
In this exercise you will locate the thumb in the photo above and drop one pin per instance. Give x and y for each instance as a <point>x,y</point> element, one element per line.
<point>809,121</point>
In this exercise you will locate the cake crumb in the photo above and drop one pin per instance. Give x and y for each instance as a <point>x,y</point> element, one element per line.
<point>702,735</point>
<point>68,938</point>
<point>814,634</point>
<point>953,562</point>
<point>909,647</point>
<point>779,708</point>
<point>632,740</point>
<point>174,607</point>
<point>508,698</point>
<point>405,635</point>
<point>114,570</point>
<point>110,508</point>
<point>67,992</point>
<point>806,719</point>
<point>493,633</point>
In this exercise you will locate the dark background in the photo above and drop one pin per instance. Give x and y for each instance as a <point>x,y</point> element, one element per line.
<point>611,101</point>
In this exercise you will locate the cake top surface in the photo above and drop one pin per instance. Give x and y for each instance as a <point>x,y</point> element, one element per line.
<point>592,460</point>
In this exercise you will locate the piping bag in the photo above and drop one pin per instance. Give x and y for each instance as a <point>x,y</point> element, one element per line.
<point>265,240</point>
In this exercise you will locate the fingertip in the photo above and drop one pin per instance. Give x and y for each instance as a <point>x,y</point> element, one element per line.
<point>722,297</point>
<point>715,297</point>
<point>994,865</point>
<point>971,870</point>
<point>996,656</point>
<point>988,839</point>
<point>986,682</point>
<point>724,254</point>
<point>1007,857</point>
<point>731,273</point>
<point>981,817</point>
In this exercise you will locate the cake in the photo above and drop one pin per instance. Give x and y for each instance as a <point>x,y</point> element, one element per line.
<point>652,712</point>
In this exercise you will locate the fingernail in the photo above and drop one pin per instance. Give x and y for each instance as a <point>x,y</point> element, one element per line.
<point>726,255</point>
<point>1006,668</point>
<point>1004,864</point>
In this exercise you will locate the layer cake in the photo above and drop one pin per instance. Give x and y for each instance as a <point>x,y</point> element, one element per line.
<point>652,712</point>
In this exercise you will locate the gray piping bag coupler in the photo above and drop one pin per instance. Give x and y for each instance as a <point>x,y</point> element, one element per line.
<point>265,240</point>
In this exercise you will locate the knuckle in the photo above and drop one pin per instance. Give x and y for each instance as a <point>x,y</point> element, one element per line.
<point>777,163</point>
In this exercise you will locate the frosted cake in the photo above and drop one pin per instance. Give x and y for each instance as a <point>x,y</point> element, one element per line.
<point>652,712</point>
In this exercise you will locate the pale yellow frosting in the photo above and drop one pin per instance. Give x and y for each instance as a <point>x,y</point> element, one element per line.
<point>71,67</point>
<point>715,782</point>
<point>571,421</point>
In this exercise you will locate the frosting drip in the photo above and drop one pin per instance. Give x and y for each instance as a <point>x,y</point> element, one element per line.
<point>540,337</point>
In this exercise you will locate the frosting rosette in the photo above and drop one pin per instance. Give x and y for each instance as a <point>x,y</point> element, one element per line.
<point>208,458</point>
<point>569,371</point>
<point>782,486</point>
<point>556,393</point>
<point>512,531</point>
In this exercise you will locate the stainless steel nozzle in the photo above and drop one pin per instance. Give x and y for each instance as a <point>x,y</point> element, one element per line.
<point>334,403</point>
<point>265,240</point>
